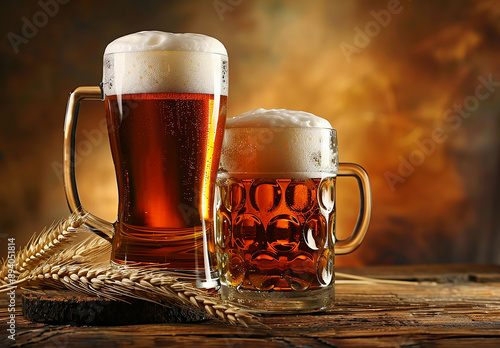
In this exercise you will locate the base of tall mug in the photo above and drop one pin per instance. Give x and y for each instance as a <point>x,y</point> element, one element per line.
<point>284,302</point>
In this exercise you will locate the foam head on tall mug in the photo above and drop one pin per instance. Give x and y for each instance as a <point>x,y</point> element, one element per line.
<point>166,97</point>
<point>159,62</point>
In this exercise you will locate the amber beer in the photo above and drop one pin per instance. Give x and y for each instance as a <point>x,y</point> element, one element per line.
<point>275,223</point>
<point>276,211</point>
<point>161,145</point>
<point>166,97</point>
<point>276,234</point>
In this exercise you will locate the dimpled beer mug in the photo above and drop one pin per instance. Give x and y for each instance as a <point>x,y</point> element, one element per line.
<point>165,97</point>
<point>275,211</point>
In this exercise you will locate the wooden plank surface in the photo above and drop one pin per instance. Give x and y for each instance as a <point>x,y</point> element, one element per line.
<point>455,305</point>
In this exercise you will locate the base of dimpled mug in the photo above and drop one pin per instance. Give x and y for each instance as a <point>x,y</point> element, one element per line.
<point>197,278</point>
<point>282,302</point>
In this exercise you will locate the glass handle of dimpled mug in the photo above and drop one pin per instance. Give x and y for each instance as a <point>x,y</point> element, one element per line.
<point>99,226</point>
<point>350,244</point>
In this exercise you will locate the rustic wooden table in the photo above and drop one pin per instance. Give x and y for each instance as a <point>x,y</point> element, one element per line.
<point>453,305</point>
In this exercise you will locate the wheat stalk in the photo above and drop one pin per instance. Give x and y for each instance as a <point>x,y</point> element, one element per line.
<point>356,279</point>
<point>145,284</point>
<point>44,245</point>
<point>75,268</point>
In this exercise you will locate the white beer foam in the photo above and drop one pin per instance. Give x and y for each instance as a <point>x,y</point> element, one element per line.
<point>161,41</point>
<point>279,143</point>
<point>263,118</point>
<point>159,62</point>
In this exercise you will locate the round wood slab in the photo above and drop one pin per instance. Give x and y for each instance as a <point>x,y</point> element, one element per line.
<point>72,308</point>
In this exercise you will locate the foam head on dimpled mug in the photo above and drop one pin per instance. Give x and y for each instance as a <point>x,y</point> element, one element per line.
<point>276,211</point>
<point>165,96</point>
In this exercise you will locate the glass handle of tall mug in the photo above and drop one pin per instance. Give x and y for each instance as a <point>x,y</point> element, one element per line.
<point>102,227</point>
<point>350,244</point>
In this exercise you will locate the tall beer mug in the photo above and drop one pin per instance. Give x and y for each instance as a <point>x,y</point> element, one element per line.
<point>276,211</point>
<point>165,96</point>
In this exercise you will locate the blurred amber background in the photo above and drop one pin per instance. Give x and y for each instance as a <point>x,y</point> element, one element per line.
<point>400,81</point>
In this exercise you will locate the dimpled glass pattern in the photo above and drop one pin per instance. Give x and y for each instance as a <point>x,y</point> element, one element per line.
<point>276,234</point>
